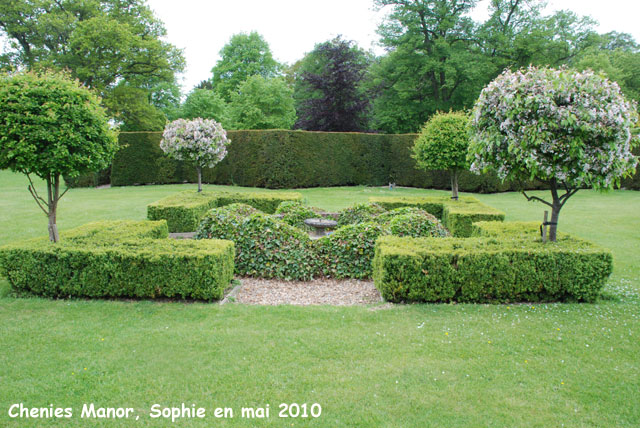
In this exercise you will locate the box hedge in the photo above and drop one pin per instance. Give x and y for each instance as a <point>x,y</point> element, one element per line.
<point>457,216</point>
<point>516,267</point>
<point>125,259</point>
<point>295,159</point>
<point>184,210</point>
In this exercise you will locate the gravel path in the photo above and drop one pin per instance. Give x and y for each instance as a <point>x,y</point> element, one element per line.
<point>318,292</point>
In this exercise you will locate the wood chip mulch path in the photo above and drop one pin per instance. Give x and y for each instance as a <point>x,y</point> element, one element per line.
<point>349,292</point>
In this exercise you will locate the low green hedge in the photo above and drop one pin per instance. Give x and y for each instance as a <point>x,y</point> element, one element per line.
<point>184,210</point>
<point>457,216</point>
<point>516,267</point>
<point>119,259</point>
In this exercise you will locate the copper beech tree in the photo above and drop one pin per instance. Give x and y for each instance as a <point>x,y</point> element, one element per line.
<point>52,126</point>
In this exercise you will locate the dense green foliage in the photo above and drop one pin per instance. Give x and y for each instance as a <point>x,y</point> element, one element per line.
<point>122,259</point>
<point>329,88</point>
<point>245,55</point>
<point>52,126</point>
<point>206,104</point>
<point>456,216</point>
<point>359,213</point>
<point>487,269</point>
<point>294,159</point>
<point>108,45</point>
<point>442,144</point>
<point>261,103</point>
<point>265,247</point>
<point>183,211</point>
<point>295,213</point>
<point>413,222</point>
<point>348,252</point>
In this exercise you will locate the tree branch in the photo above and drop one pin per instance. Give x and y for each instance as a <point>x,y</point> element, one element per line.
<point>535,198</point>
<point>37,201</point>
<point>34,192</point>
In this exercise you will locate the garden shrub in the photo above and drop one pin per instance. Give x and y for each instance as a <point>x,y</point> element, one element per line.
<point>416,225</point>
<point>294,213</point>
<point>348,252</point>
<point>122,259</point>
<point>487,269</point>
<point>457,216</point>
<point>265,247</point>
<point>184,210</point>
<point>266,202</point>
<point>224,222</point>
<point>359,213</point>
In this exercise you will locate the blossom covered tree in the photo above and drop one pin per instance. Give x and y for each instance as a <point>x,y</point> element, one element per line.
<point>201,141</point>
<point>567,128</point>
<point>442,144</point>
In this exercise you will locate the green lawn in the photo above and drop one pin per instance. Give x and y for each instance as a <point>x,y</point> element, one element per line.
<point>409,366</point>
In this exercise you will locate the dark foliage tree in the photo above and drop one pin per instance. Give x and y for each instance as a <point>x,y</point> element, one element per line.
<point>329,89</point>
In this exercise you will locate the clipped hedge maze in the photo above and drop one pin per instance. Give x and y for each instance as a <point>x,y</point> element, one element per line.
<point>119,259</point>
<point>497,264</point>
<point>184,210</point>
<point>457,216</point>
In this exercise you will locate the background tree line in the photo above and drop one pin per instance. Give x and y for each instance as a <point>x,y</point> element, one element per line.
<point>436,59</point>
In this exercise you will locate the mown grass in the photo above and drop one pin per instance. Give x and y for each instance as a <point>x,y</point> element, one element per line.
<point>407,366</point>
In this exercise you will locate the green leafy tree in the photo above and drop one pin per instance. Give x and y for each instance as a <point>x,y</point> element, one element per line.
<point>204,103</point>
<point>261,103</point>
<point>567,128</point>
<point>245,55</point>
<point>442,144</point>
<point>431,45</point>
<point>103,43</point>
<point>132,109</point>
<point>52,126</point>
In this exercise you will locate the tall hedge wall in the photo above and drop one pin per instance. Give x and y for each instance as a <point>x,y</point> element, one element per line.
<point>295,159</point>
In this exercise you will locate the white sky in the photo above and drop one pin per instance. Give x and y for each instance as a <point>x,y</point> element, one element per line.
<point>293,27</point>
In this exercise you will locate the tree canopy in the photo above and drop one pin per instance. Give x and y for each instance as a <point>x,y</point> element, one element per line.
<point>51,126</point>
<point>567,128</point>
<point>261,103</point>
<point>330,90</point>
<point>245,55</point>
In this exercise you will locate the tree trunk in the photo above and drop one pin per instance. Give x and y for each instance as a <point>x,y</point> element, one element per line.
<point>553,224</point>
<point>53,194</point>
<point>199,168</point>
<point>556,205</point>
<point>454,185</point>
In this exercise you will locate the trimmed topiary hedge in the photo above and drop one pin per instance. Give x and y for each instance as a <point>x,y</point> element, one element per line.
<point>348,252</point>
<point>265,246</point>
<point>457,216</point>
<point>184,210</point>
<point>517,267</point>
<point>296,159</point>
<point>124,259</point>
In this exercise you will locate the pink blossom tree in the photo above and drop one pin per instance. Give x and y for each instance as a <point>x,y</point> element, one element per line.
<point>567,128</point>
<point>201,141</point>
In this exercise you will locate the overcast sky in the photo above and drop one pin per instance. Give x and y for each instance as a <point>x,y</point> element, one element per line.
<point>293,27</point>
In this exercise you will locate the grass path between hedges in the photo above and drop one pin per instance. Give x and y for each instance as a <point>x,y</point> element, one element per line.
<point>408,366</point>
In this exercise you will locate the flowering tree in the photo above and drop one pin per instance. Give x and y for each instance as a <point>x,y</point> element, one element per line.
<point>202,141</point>
<point>443,144</point>
<point>567,128</point>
